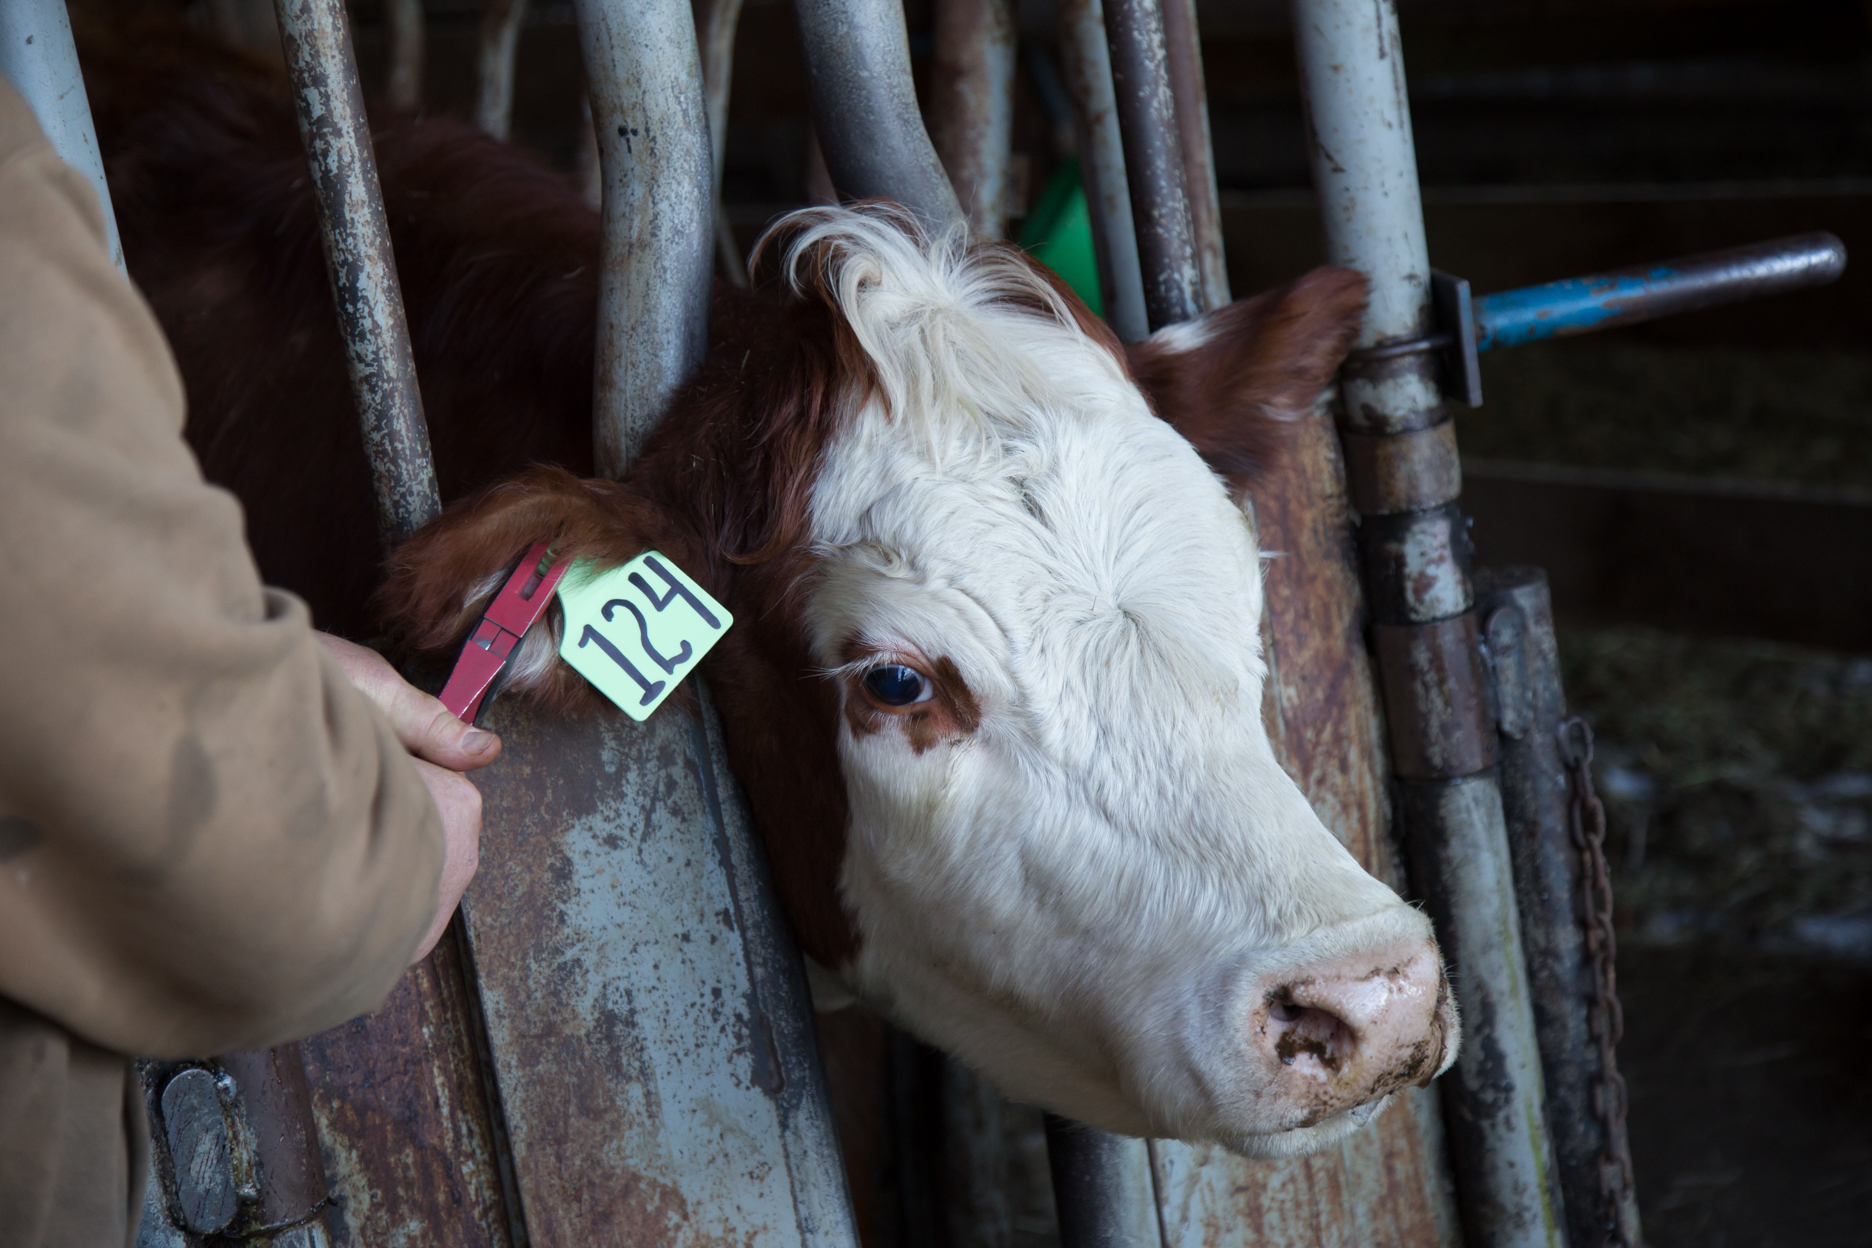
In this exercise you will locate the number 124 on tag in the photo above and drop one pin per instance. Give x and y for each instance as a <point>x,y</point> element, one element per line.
<point>635,631</point>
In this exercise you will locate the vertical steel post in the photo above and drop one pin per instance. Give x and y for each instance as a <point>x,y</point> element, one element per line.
<point>1102,1187</point>
<point>500,44</point>
<point>316,36</point>
<point>1183,49</point>
<point>972,105</point>
<point>1153,152</point>
<point>406,21</point>
<point>864,107</point>
<point>1405,479</point>
<point>1102,164</point>
<point>724,16</point>
<point>659,179</point>
<point>38,57</point>
<point>1517,615</point>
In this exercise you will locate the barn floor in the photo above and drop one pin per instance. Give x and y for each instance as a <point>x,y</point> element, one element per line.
<point>1738,781</point>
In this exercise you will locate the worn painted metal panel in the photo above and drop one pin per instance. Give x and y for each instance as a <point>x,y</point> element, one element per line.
<point>647,1018</point>
<point>316,36</point>
<point>1578,305</point>
<point>972,105</point>
<point>410,1140</point>
<point>864,107</point>
<point>1101,152</point>
<point>38,57</point>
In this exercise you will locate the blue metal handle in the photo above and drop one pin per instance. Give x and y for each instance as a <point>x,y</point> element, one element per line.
<point>1577,305</point>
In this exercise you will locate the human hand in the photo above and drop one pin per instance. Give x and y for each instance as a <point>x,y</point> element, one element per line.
<point>426,728</point>
<point>443,747</point>
<point>460,804</point>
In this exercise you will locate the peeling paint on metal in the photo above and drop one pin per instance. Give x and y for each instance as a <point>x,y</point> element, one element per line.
<point>648,1023</point>
<point>316,37</point>
<point>1578,305</point>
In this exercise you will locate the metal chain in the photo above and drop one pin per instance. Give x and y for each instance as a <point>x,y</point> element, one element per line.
<point>1586,822</point>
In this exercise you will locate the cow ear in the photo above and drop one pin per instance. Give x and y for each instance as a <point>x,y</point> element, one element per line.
<point>1237,381</point>
<point>439,582</point>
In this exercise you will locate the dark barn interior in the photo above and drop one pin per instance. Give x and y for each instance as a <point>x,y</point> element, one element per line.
<point>1699,490</point>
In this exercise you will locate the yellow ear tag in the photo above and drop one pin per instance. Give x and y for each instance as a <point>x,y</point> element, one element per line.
<point>637,630</point>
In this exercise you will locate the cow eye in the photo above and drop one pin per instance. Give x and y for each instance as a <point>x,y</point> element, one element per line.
<point>896,685</point>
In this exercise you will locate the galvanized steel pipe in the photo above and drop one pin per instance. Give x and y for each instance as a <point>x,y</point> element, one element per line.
<point>972,105</point>
<point>406,21</point>
<point>1645,292</point>
<point>1405,479</point>
<point>864,107</point>
<point>1101,163</point>
<point>38,57</point>
<point>500,43</point>
<point>1153,150</point>
<point>724,17</point>
<point>1102,1187</point>
<point>1183,50</point>
<point>653,144</point>
<point>316,36</point>
<point>1517,615</point>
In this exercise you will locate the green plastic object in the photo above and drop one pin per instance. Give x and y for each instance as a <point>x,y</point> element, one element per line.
<point>1058,233</point>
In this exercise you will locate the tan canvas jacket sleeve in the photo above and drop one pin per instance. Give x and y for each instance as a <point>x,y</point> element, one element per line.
<point>208,840</point>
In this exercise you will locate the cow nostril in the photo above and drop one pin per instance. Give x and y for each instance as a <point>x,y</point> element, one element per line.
<point>1308,1037</point>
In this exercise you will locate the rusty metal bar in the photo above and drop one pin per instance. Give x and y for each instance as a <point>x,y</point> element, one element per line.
<point>657,248</point>
<point>1153,152</point>
<point>316,35</point>
<point>500,42</point>
<point>864,107</point>
<point>38,57</point>
<point>1645,292</point>
<point>406,21</point>
<point>724,17</point>
<point>1425,629</point>
<point>1087,62</point>
<point>1183,48</point>
<point>1525,665</point>
<point>972,105</point>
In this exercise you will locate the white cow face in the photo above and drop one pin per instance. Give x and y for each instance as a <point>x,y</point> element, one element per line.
<point>994,688</point>
<point>1073,858</point>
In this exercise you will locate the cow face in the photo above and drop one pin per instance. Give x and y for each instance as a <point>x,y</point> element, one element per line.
<point>997,696</point>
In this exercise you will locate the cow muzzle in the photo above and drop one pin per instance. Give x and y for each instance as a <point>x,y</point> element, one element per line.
<point>1350,1032</point>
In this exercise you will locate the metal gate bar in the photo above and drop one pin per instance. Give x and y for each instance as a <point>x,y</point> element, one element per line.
<point>316,36</point>
<point>972,105</point>
<point>38,57</point>
<point>1425,628</point>
<point>864,107</point>
<point>1183,59</point>
<point>1081,25</point>
<point>1154,168</point>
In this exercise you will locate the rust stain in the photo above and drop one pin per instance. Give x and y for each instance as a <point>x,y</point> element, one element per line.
<point>408,1140</point>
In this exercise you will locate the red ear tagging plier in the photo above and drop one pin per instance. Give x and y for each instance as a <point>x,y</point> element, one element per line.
<point>518,606</point>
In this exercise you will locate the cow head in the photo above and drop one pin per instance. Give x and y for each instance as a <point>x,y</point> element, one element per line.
<point>995,692</point>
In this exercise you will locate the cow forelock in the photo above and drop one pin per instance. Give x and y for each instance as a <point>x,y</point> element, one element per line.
<point>1074,886</point>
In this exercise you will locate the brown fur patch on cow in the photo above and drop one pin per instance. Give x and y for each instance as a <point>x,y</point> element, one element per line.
<point>1263,362</point>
